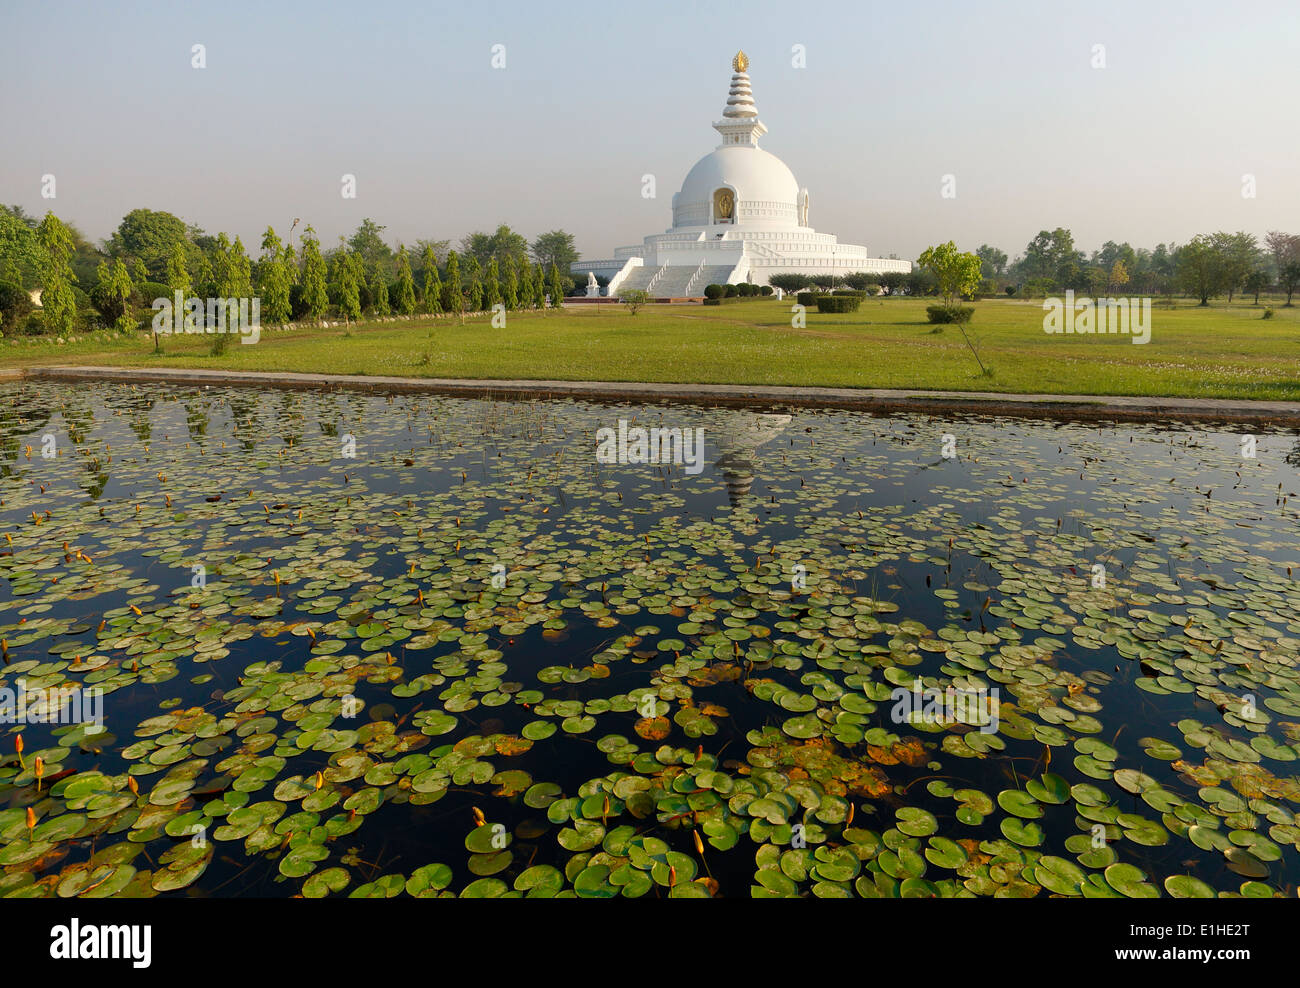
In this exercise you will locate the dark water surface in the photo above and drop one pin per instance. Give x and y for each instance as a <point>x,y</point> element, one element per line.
<point>470,659</point>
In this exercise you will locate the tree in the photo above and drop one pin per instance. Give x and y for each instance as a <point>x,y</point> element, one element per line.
<point>368,243</point>
<point>1289,279</point>
<point>474,285</point>
<point>58,301</point>
<point>1200,268</point>
<point>435,248</point>
<point>492,285</point>
<point>860,280</point>
<point>1285,247</point>
<point>1118,275</point>
<point>20,251</point>
<point>1098,280</point>
<point>1051,255</point>
<point>148,236</point>
<point>347,280</point>
<point>273,280</point>
<point>234,280</point>
<point>992,261</point>
<point>379,292</point>
<point>539,287</point>
<point>555,247</point>
<point>432,283</point>
<point>789,281</point>
<point>453,296</point>
<point>892,281</point>
<point>956,273</point>
<point>241,269</point>
<point>112,295</point>
<point>314,293</point>
<point>405,284</point>
<point>1238,256</point>
<point>555,287</point>
<point>177,280</point>
<point>1256,282</point>
<point>510,293</point>
<point>483,247</point>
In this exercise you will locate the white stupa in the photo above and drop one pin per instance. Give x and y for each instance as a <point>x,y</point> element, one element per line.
<point>740,216</point>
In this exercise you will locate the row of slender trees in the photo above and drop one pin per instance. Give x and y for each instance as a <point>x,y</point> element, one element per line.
<point>154,255</point>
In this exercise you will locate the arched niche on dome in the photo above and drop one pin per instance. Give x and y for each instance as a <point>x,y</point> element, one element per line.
<point>724,204</point>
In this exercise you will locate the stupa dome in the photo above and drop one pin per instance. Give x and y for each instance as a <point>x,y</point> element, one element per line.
<point>758,179</point>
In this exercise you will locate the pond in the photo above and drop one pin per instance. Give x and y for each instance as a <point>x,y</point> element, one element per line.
<point>278,643</point>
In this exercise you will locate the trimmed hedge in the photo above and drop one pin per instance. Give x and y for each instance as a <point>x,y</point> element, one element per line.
<point>806,298</point>
<point>849,291</point>
<point>714,291</point>
<point>723,301</point>
<point>838,303</point>
<point>944,313</point>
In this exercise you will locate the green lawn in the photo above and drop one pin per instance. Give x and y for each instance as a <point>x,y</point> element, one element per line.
<point>1220,351</point>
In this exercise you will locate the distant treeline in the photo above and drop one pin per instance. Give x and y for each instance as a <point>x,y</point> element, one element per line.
<point>1208,266</point>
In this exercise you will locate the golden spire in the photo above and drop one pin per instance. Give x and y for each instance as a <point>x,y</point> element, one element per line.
<point>740,63</point>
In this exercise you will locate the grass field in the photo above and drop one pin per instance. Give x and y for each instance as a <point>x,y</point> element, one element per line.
<point>1221,351</point>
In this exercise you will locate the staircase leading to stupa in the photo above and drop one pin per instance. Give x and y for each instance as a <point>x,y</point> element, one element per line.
<point>676,280</point>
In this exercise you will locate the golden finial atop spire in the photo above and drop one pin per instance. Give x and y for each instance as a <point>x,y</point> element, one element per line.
<point>740,63</point>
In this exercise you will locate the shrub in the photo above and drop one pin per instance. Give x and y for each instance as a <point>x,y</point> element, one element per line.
<point>806,298</point>
<point>733,291</point>
<point>147,291</point>
<point>765,290</point>
<point>715,291</point>
<point>634,299</point>
<point>14,304</point>
<point>849,292</point>
<point>1268,313</point>
<point>945,313</point>
<point>838,303</point>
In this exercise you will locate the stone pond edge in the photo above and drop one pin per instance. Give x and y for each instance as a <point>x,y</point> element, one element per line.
<point>1033,405</point>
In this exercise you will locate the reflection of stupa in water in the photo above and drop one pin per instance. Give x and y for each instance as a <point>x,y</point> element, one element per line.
<point>739,434</point>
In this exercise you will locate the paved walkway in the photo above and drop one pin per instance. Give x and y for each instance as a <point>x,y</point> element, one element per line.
<point>1070,406</point>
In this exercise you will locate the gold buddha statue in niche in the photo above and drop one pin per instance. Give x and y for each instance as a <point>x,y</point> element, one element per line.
<point>723,205</point>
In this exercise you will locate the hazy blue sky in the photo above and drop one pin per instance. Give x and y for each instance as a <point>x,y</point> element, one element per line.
<point>1002,95</point>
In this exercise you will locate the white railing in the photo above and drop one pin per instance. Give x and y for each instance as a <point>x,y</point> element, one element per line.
<point>657,276</point>
<point>630,265</point>
<point>690,285</point>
